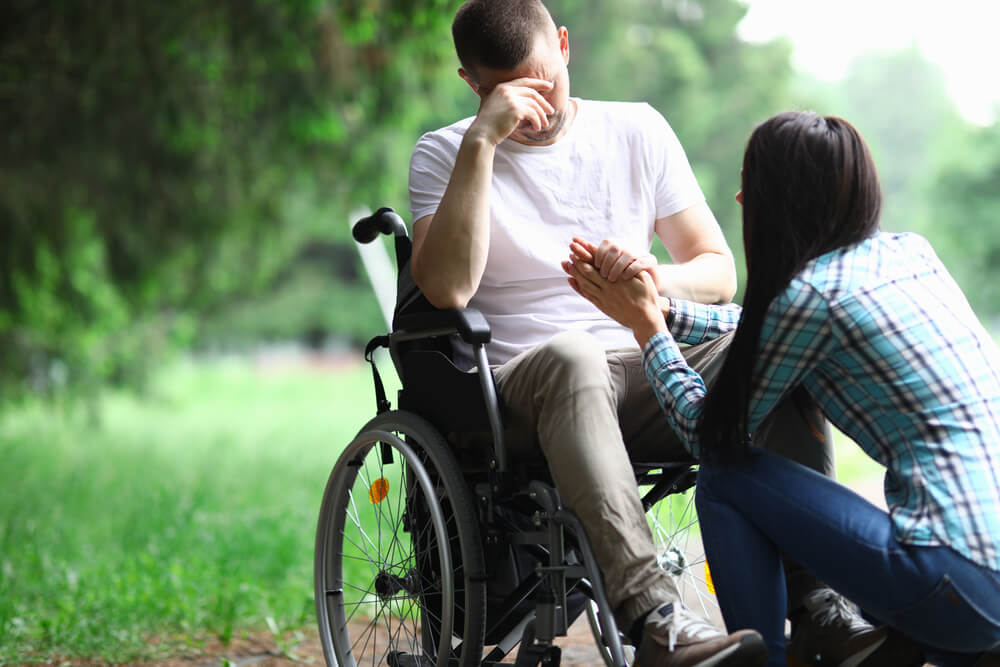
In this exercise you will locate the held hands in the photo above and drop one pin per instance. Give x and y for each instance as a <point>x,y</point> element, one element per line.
<point>613,261</point>
<point>513,104</point>
<point>633,302</point>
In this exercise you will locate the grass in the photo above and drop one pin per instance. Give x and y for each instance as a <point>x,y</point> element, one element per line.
<point>184,515</point>
<point>187,514</point>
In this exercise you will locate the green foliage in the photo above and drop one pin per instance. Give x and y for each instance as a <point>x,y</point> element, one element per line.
<point>166,167</point>
<point>963,205</point>
<point>161,159</point>
<point>310,306</point>
<point>899,102</point>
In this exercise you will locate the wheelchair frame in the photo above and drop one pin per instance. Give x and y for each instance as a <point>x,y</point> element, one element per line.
<point>425,598</point>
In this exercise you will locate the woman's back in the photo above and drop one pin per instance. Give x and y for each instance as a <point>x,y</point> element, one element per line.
<point>911,375</point>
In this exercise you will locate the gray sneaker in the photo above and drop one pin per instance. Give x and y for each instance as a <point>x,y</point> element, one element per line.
<point>834,634</point>
<point>674,637</point>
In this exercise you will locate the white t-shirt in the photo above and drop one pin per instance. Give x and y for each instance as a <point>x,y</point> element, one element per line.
<point>618,169</point>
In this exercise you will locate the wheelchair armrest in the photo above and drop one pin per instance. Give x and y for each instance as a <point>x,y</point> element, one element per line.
<point>468,323</point>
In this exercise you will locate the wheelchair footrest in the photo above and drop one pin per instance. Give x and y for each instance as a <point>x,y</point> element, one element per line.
<point>530,654</point>
<point>538,655</point>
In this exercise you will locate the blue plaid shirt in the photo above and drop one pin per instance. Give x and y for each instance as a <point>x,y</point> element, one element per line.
<point>887,345</point>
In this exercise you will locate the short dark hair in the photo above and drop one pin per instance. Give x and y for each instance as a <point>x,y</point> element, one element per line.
<point>810,186</point>
<point>498,34</point>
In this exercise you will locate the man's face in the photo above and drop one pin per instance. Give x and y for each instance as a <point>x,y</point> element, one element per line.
<point>547,61</point>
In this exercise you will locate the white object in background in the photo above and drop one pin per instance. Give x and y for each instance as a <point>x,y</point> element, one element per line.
<point>378,265</point>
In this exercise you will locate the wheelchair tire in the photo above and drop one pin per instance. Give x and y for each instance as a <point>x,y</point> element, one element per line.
<point>399,568</point>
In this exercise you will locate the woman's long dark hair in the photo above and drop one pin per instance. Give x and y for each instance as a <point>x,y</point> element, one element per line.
<point>809,187</point>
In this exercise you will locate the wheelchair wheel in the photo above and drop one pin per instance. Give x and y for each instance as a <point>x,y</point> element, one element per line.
<point>399,562</point>
<point>677,538</point>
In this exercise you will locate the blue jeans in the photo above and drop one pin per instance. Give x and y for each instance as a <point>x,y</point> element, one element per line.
<point>753,511</point>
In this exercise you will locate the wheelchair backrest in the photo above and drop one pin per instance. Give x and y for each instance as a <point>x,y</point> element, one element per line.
<point>433,386</point>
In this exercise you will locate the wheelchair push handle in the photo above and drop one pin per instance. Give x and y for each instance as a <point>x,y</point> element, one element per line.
<point>383,221</point>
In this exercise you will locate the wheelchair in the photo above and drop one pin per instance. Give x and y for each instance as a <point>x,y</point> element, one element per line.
<point>434,551</point>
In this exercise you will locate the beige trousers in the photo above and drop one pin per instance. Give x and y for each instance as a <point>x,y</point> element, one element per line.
<point>591,412</point>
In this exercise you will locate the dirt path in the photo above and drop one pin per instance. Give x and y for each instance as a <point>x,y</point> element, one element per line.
<point>262,650</point>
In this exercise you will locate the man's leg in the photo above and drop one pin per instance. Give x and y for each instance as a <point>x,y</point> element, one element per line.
<point>559,396</point>
<point>563,389</point>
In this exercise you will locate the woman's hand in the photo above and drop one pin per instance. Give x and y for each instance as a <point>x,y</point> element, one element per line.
<point>634,302</point>
<point>615,262</point>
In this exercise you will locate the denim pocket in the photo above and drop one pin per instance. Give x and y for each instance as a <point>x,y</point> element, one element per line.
<point>946,618</point>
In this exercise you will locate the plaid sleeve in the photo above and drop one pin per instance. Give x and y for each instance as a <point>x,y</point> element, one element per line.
<point>678,388</point>
<point>692,323</point>
<point>795,336</point>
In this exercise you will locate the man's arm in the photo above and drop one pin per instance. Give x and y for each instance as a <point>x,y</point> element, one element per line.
<point>450,247</point>
<point>703,268</point>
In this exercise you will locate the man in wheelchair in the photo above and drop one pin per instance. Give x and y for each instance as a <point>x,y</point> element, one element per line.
<point>495,200</point>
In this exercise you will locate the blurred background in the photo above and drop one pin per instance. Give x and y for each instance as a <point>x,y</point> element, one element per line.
<point>181,304</point>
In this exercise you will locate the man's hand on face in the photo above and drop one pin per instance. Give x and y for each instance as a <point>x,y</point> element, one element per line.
<point>510,104</point>
<point>613,261</point>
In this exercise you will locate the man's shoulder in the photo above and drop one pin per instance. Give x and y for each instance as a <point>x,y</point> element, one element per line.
<point>449,134</point>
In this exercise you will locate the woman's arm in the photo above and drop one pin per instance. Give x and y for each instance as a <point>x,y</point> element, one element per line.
<point>795,337</point>
<point>693,323</point>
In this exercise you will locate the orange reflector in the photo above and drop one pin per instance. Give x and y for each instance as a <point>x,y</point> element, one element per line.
<point>378,491</point>
<point>709,584</point>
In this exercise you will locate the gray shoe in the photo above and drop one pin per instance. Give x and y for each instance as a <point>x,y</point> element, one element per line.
<point>834,634</point>
<point>675,637</point>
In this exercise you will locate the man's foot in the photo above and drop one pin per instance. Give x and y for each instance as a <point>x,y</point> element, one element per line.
<point>834,634</point>
<point>675,637</point>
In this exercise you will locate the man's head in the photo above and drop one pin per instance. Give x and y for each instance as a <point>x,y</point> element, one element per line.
<point>498,34</point>
<point>501,40</point>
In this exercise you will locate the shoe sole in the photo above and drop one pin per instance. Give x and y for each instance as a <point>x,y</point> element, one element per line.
<point>861,656</point>
<point>750,652</point>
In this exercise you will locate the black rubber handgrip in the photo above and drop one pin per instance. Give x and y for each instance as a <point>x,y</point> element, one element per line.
<point>383,221</point>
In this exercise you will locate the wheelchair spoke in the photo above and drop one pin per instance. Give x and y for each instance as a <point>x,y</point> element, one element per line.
<point>411,638</point>
<point>369,635</point>
<point>674,523</point>
<point>359,525</point>
<point>376,508</point>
